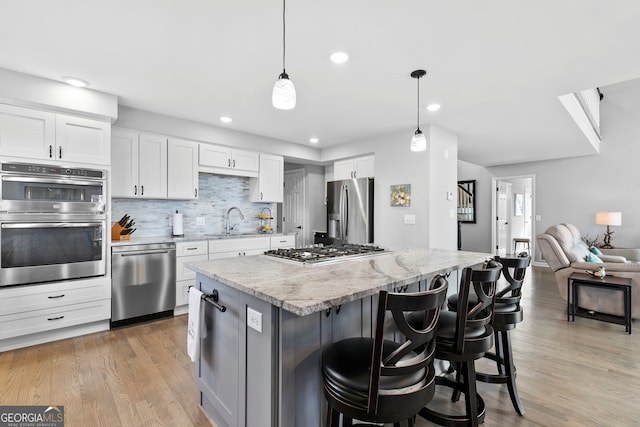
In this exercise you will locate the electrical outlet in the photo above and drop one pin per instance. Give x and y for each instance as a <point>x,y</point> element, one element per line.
<point>200,220</point>
<point>409,219</point>
<point>254,319</point>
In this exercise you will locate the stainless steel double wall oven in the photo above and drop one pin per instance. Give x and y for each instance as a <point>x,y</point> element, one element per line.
<point>52,223</point>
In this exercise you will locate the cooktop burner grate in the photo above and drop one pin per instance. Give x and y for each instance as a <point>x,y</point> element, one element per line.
<point>324,253</point>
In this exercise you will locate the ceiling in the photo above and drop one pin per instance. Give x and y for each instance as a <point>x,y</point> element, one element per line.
<point>495,66</point>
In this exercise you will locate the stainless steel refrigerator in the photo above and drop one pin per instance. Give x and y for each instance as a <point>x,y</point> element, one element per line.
<point>350,210</point>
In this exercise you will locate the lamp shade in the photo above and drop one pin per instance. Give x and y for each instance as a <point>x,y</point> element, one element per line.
<point>609,218</point>
<point>284,94</point>
<point>418,141</point>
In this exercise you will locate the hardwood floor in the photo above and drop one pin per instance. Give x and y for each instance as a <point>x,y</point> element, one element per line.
<point>585,373</point>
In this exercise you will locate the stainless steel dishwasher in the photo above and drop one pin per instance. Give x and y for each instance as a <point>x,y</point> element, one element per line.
<point>143,282</point>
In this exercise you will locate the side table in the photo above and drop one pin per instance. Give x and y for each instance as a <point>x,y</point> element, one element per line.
<point>577,280</point>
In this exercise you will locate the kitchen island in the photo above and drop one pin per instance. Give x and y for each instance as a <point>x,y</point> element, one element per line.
<point>260,360</point>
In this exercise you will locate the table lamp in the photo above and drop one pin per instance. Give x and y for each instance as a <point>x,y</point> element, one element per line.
<point>608,219</point>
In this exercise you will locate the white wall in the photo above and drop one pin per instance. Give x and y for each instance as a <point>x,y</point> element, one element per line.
<point>430,176</point>
<point>573,190</point>
<point>477,237</point>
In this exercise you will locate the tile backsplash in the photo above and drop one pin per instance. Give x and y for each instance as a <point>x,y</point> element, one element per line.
<point>216,194</point>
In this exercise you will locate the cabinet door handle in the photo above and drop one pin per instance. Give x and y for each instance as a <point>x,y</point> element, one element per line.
<point>135,190</point>
<point>192,249</point>
<point>142,190</point>
<point>60,152</point>
<point>234,163</point>
<point>195,192</point>
<point>56,318</point>
<point>55,296</point>
<point>229,162</point>
<point>261,195</point>
<point>50,151</point>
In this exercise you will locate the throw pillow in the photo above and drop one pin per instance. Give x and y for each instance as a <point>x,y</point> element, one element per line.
<point>595,250</point>
<point>593,258</point>
<point>612,258</point>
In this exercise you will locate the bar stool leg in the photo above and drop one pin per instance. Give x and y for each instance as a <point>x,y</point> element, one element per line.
<point>509,368</point>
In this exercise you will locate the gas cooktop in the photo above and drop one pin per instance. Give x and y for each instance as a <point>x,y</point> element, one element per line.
<point>325,253</point>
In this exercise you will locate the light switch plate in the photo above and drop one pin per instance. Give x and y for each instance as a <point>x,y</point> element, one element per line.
<point>449,195</point>
<point>254,319</point>
<point>409,219</point>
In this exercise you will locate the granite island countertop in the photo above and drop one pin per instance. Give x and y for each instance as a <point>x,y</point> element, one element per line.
<point>306,289</point>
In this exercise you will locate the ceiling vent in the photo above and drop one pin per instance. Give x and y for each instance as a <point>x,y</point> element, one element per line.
<point>584,108</point>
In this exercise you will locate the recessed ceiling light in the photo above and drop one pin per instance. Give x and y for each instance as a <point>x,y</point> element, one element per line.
<point>314,140</point>
<point>226,119</point>
<point>74,81</point>
<point>433,107</point>
<point>339,57</point>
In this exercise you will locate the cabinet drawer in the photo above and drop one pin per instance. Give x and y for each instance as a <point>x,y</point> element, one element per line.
<point>25,323</point>
<point>182,291</point>
<point>183,273</point>
<point>191,248</point>
<point>239,244</point>
<point>37,297</point>
<point>283,242</point>
<point>232,254</point>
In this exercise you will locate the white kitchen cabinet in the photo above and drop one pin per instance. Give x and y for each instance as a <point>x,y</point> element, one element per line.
<point>269,186</point>
<point>187,252</point>
<point>26,133</point>
<point>41,313</point>
<point>139,165</point>
<point>242,246</point>
<point>81,140</point>
<point>283,241</point>
<point>55,138</point>
<point>182,169</point>
<point>359,167</point>
<point>228,161</point>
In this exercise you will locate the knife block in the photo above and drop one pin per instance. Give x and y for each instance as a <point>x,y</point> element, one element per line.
<point>115,233</point>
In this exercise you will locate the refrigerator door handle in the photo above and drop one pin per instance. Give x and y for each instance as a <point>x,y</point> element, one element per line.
<point>346,213</point>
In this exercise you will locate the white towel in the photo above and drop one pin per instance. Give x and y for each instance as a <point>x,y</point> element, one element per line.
<point>196,329</point>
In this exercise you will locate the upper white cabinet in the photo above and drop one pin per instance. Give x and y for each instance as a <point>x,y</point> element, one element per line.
<point>228,161</point>
<point>359,167</point>
<point>82,140</point>
<point>269,186</point>
<point>139,165</point>
<point>56,138</point>
<point>182,169</point>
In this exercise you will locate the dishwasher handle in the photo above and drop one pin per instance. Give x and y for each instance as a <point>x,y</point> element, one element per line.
<point>148,252</point>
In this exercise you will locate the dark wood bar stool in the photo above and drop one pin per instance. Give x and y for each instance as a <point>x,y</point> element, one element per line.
<point>507,314</point>
<point>463,337</point>
<point>380,381</point>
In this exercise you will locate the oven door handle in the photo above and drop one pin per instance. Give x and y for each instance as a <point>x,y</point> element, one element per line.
<point>51,224</point>
<point>51,180</point>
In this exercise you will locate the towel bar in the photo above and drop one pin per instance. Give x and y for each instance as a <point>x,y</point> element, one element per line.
<point>212,299</point>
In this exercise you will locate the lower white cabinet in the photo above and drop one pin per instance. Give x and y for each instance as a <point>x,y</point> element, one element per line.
<point>34,309</point>
<point>187,252</point>
<point>245,246</point>
<point>282,242</point>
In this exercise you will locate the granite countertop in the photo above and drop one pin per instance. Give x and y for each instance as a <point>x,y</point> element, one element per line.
<point>187,238</point>
<point>306,289</point>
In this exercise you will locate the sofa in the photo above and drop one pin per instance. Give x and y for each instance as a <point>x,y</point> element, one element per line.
<point>564,251</point>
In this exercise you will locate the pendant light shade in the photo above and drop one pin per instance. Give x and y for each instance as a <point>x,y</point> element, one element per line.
<point>418,141</point>
<point>284,93</point>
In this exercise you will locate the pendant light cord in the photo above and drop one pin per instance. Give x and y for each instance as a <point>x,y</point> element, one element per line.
<point>284,32</point>
<point>418,109</point>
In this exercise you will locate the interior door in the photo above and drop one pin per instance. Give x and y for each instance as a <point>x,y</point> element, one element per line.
<point>503,230</point>
<point>293,206</point>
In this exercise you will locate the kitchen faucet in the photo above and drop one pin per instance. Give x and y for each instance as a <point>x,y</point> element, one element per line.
<point>228,226</point>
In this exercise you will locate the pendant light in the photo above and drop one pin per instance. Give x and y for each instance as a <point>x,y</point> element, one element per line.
<point>284,94</point>
<point>419,141</point>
